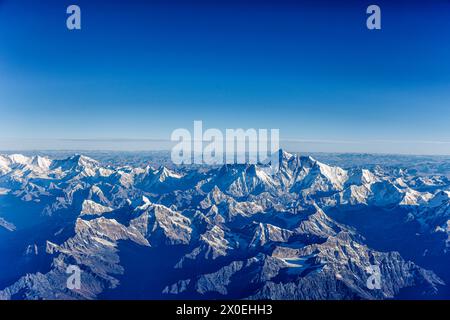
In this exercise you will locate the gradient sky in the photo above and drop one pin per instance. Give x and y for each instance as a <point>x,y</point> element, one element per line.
<point>140,69</point>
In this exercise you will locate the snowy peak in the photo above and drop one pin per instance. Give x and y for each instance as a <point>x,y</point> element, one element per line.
<point>241,180</point>
<point>164,173</point>
<point>161,224</point>
<point>285,157</point>
<point>214,197</point>
<point>161,180</point>
<point>19,159</point>
<point>267,233</point>
<point>318,224</point>
<point>361,177</point>
<point>90,207</point>
<point>18,162</point>
<point>76,167</point>
<point>41,162</point>
<point>316,177</point>
<point>96,194</point>
<point>75,162</point>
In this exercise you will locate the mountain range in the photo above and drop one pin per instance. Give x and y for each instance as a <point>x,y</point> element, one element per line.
<point>310,231</point>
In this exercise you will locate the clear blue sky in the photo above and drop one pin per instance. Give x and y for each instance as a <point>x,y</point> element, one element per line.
<point>140,69</point>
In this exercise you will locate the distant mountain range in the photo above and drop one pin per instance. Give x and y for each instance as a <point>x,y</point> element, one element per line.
<point>311,231</point>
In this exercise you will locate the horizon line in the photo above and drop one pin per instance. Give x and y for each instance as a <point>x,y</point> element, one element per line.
<point>369,146</point>
<point>86,151</point>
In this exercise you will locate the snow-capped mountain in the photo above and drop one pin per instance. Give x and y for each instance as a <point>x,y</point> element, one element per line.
<point>311,231</point>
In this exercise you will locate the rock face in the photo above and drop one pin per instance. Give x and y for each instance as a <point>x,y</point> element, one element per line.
<point>311,231</point>
<point>338,269</point>
<point>335,269</point>
<point>161,224</point>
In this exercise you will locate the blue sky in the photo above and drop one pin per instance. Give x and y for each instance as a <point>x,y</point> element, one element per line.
<point>139,70</point>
